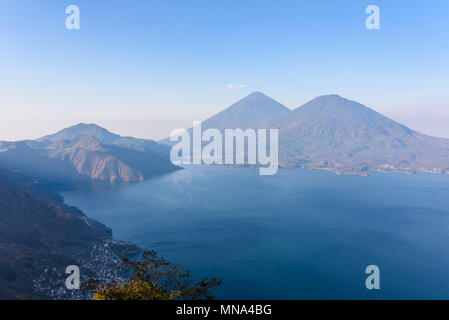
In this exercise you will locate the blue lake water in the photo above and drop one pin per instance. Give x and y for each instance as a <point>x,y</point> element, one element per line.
<point>299,234</point>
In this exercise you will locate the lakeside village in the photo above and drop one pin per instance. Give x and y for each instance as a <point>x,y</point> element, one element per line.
<point>101,264</point>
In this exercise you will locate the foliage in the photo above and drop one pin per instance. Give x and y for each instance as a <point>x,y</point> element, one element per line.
<point>153,278</point>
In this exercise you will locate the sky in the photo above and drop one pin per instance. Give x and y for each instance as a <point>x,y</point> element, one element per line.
<point>144,68</point>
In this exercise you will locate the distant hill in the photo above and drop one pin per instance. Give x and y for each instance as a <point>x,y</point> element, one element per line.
<point>106,137</point>
<point>82,129</point>
<point>86,152</point>
<point>36,234</point>
<point>337,134</point>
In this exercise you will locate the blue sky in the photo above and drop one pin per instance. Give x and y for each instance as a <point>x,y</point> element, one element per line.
<point>143,68</point>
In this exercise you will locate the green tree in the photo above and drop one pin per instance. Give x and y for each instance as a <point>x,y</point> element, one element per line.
<point>153,278</point>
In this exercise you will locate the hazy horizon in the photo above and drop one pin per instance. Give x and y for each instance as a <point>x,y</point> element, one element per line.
<point>138,128</point>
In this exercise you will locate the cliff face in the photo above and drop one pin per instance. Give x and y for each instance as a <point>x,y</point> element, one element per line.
<point>91,159</point>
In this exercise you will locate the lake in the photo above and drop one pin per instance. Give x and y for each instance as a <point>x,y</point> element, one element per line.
<point>299,234</point>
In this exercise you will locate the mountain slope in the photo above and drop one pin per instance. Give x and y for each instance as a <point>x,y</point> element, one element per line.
<point>254,111</point>
<point>30,158</point>
<point>85,158</point>
<point>82,129</point>
<point>36,234</point>
<point>334,133</point>
<point>108,162</point>
<point>106,137</point>
<point>35,186</point>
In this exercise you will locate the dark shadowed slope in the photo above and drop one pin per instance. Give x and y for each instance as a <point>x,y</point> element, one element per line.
<point>339,134</point>
<point>38,187</point>
<point>36,234</point>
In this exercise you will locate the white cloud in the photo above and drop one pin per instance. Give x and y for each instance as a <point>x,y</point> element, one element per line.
<point>236,86</point>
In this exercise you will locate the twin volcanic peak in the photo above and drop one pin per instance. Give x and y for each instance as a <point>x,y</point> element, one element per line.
<point>337,134</point>
<point>86,152</point>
